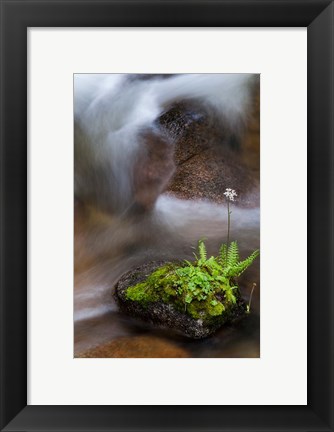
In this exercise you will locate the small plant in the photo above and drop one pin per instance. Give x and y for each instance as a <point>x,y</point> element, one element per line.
<point>203,288</point>
<point>211,276</point>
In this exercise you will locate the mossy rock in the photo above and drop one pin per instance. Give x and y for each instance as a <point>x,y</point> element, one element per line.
<point>143,293</point>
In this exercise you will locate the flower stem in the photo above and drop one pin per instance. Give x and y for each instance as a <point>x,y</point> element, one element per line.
<point>250,298</point>
<point>228,226</point>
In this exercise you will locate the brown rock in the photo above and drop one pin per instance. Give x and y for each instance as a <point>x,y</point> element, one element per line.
<point>210,157</point>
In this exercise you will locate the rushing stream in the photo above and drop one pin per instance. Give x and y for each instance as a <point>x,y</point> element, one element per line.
<point>127,213</point>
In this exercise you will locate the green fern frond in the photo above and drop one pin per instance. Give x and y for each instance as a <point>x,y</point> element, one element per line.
<point>213,266</point>
<point>232,254</point>
<point>202,251</point>
<point>223,254</point>
<point>240,267</point>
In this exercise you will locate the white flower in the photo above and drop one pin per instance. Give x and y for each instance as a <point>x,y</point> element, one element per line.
<point>230,194</point>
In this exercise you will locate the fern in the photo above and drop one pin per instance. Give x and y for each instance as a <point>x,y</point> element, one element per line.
<point>223,254</point>
<point>202,253</point>
<point>203,279</point>
<point>240,267</point>
<point>213,264</point>
<point>232,254</point>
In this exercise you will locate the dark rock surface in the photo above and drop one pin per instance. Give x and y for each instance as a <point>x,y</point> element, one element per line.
<point>166,315</point>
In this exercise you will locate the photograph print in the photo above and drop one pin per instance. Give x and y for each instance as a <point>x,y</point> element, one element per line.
<point>167,215</point>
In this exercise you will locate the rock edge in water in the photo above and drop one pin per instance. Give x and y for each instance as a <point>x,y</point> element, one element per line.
<point>166,315</point>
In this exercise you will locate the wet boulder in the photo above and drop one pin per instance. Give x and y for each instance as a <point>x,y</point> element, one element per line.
<point>161,310</point>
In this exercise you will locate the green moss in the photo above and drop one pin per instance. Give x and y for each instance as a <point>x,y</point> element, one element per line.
<point>215,309</point>
<point>205,309</point>
<point>157,287</point>
<point>166,284</point>
<point>141,293</point>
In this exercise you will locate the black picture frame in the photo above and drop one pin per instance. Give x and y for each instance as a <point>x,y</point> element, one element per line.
<point>16,17</point>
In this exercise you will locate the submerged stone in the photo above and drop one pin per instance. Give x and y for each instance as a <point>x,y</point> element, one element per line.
<point>148,293</point>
